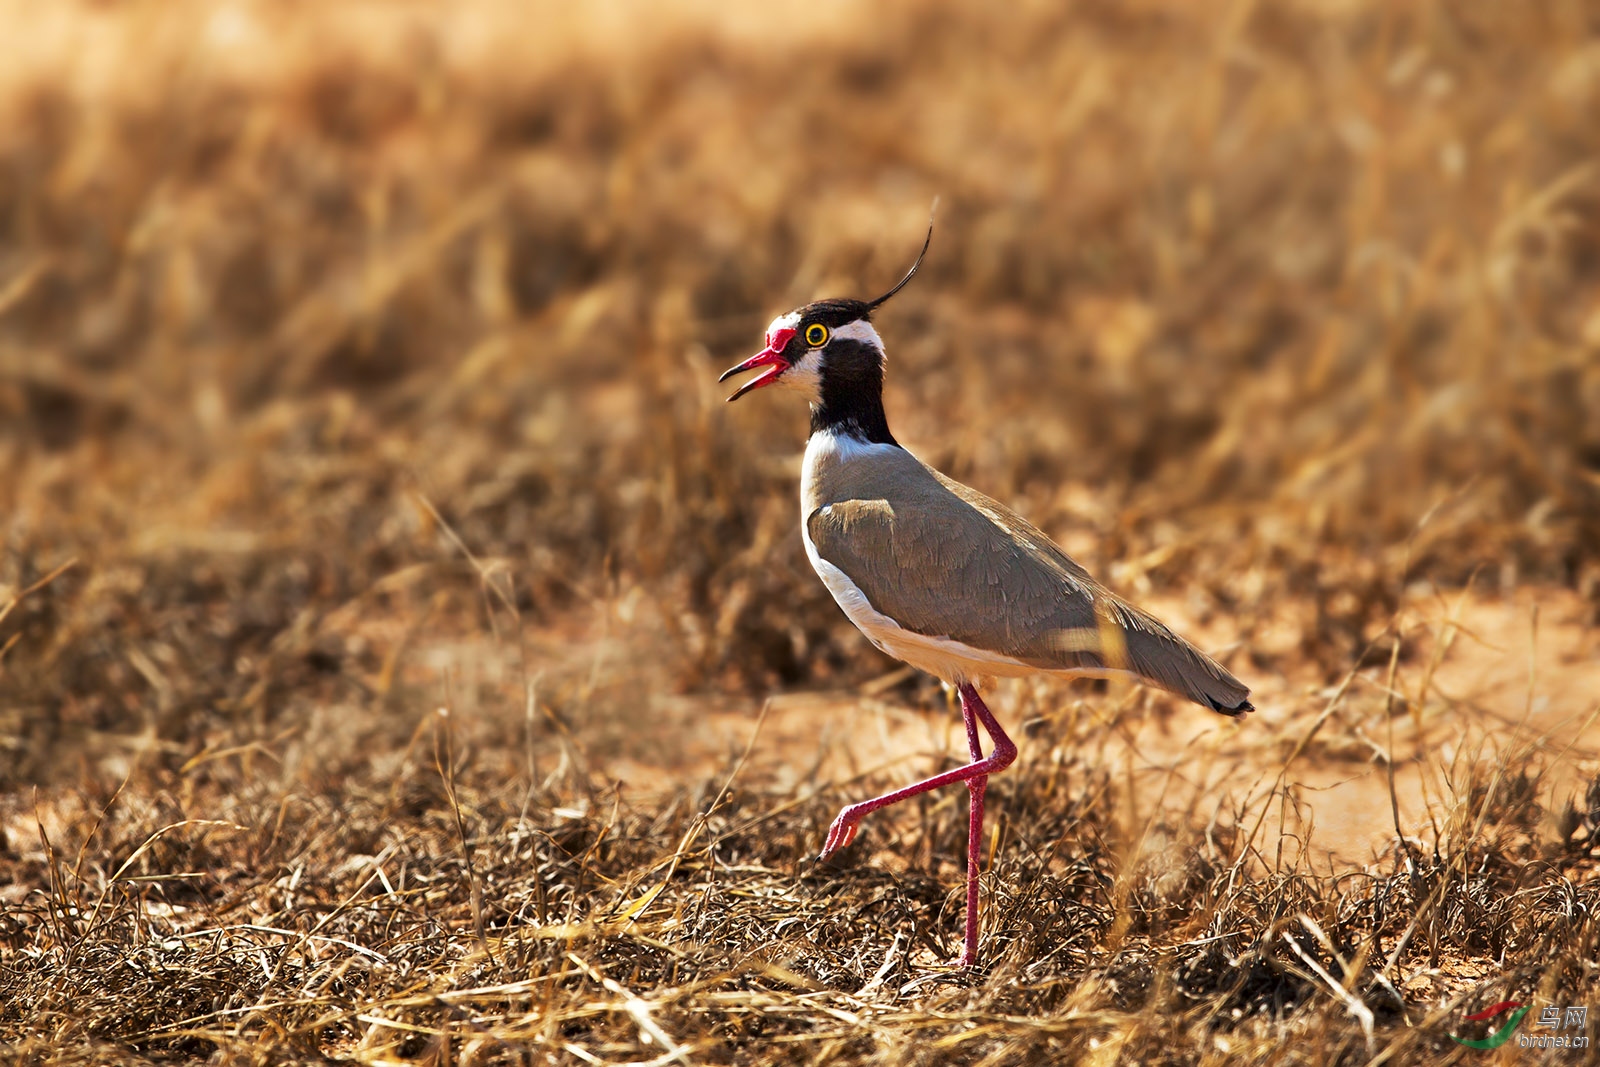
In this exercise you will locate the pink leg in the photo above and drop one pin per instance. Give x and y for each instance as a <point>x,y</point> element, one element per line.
<point>976,787</point>
<point>975,774</point>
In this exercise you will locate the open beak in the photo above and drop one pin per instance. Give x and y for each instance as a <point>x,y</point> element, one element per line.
<point>771,356</point>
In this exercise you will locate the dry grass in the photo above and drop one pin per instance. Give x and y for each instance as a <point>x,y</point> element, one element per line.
<point>359,360</point>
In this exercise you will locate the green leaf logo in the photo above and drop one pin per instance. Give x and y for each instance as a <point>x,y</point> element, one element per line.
<point>1502,1035</point>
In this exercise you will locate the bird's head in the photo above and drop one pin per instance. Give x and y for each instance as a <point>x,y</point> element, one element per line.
<point>828,343</point>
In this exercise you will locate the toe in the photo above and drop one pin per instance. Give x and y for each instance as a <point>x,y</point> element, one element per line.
<point>840,834</point>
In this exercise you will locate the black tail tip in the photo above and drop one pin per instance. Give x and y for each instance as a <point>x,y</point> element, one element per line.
<point>1237,711</point>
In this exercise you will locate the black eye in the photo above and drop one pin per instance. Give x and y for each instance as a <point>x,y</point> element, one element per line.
<point>816,335</point>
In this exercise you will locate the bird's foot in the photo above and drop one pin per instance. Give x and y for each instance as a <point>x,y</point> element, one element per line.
<point>843,830</point>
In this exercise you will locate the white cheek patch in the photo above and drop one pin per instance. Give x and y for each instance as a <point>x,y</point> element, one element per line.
<point>805,375</point>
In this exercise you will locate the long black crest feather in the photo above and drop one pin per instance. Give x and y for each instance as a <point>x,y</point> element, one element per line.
<point>901,284</point>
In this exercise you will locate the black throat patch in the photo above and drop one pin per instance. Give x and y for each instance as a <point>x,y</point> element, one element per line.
<point>852,393</point>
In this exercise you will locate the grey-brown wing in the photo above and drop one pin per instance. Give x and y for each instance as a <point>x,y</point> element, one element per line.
<point>1003,587</point>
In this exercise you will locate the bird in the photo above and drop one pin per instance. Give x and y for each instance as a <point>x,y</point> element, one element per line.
<point>940,576</point>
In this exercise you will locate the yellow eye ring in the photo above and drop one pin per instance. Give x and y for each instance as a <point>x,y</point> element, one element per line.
<point>816,335</point>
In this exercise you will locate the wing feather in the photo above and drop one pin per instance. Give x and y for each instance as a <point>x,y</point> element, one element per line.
<point>1003,587</point>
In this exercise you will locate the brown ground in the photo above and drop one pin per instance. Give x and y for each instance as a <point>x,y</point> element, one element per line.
<point>1345,789</point>
<point>357,361</point>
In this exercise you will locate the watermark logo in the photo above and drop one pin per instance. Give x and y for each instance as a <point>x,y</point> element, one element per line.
<point>1502,1035</point>
<point>1561,1020</point>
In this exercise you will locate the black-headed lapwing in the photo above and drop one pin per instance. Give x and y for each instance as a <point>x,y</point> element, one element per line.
<point>939,575</point>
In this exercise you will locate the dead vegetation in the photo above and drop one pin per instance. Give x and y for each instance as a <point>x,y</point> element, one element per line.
<point>357,361</point>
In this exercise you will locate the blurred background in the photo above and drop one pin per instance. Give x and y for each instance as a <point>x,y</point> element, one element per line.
<point>340,343</point>
<point>358,361</point>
